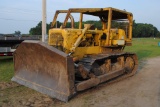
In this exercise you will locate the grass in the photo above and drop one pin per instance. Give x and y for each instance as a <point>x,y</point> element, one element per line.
<point>143,47</point>
<point>6,69</point>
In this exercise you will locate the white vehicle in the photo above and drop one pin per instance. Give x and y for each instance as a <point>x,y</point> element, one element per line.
<point>6,51</point>
<point>9,43</point>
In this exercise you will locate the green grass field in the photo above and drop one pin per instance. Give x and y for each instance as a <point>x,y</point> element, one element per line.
<point>143,47</point>
<point>6,69</point>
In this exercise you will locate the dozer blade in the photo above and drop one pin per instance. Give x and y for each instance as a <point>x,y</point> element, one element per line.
<point>45,69</point>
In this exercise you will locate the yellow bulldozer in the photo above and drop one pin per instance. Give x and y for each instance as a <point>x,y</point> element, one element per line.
<point>77,58</point>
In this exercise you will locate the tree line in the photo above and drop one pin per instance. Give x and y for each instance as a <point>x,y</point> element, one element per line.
<point>139,29</point>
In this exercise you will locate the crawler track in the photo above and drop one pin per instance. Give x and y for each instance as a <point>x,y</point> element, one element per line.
<point>130,60</point>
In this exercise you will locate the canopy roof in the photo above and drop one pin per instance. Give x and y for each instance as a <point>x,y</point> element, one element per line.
<point>100,12</point>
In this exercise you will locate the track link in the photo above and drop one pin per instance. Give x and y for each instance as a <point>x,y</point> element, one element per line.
<point>129,69</point>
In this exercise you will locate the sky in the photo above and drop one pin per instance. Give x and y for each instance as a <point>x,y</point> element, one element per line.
<point>21,15</point>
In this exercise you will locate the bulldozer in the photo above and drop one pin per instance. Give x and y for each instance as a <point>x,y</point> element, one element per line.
<point>77,58</point>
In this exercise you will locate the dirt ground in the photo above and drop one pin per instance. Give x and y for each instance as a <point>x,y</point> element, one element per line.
<point>141,90</point>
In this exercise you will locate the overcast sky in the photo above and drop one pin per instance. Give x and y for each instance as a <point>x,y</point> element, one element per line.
<point>23,14</point>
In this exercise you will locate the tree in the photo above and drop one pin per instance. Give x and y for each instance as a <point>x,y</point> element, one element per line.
<point>158,34</point>
<point>139,29</point>
<point>38,29</point>
<point>144,30</point>
<point>17,33</point>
